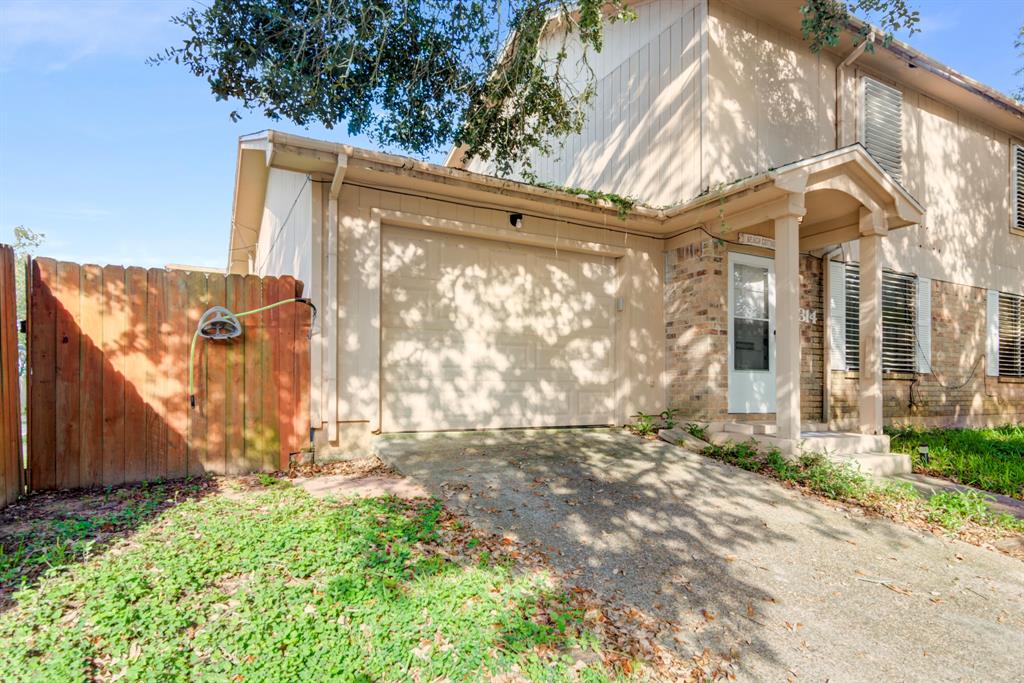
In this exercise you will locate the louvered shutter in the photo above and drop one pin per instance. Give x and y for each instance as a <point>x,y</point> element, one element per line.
<point>883,126</point>
<point>1011,335</point>
<point>1018,187</point>
<point>899,322</point>
<point>924,325</point>
<point>837,314</point>
<point>992,337</point>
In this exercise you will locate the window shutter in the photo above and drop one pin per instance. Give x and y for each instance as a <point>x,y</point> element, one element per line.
<point>1011,335</point>
<point>992,338</point>
<point>883,126</point>
<point>837,315</point>
<point>924,325</point>
<point>1018,187</point>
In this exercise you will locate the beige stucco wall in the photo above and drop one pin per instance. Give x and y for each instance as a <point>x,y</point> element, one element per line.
<point>639,332</point>
<point>960,169</point>
<point>770,101</point>
<point>642,134</point>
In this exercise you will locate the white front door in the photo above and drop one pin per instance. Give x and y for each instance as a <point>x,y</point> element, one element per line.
<point>751,334</point>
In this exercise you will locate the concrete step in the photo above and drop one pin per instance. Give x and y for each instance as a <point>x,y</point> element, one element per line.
<point>876,464</point>
<point>843,443</point>
<point>829,443</point>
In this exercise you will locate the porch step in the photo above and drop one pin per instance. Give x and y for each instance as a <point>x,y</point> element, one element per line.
<point>829,443</point>
<point>877,464</point>
<point>766,428</point>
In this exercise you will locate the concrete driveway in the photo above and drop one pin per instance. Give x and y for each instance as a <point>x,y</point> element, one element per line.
<point>802,590</point>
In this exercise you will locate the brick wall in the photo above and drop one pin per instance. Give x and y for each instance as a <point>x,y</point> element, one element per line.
<point>697,326</point>
<point>957,392</point>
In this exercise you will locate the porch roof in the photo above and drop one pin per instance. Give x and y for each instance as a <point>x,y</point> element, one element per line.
<point>834,190</point>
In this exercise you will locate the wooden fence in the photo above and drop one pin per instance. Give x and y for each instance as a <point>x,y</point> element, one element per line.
<point>10,394</point>
<point>108,392</point>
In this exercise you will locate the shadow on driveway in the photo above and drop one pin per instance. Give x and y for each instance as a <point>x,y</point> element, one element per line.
<point>797,587</point>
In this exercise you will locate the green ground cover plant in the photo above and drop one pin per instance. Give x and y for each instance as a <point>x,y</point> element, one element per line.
<point>272,584</point>
<point>990,459</point>
<point>816,473</point>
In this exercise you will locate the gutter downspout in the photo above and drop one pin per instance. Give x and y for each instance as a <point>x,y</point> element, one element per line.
<point>826,336</point>
<point>331,318</point>
<point>841,87</point>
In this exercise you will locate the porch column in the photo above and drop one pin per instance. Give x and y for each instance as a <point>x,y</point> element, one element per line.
<point>787,326</point>
<point>872,231</point>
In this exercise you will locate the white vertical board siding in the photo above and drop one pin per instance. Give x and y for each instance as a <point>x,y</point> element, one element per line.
<point>924,325</point>
<point>992,337</point>
<point>642,137</point>
<point>285,246</point>
<point>837,314</point>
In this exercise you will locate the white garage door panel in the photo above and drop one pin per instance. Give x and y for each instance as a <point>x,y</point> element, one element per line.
<point>477,333</point>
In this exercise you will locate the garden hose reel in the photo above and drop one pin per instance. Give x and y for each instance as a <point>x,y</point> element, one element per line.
<point>220,324</point>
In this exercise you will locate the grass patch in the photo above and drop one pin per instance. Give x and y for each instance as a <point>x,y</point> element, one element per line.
<point>954,509</point>
<point>844,482</point>
<point>275,585</point>
<point>990,459</point>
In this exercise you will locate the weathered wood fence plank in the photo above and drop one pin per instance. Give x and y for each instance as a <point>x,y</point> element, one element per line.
<point>109,400</point>
<point>11,474</point>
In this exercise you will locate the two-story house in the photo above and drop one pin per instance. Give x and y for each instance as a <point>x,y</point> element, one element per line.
<point>833,240</point>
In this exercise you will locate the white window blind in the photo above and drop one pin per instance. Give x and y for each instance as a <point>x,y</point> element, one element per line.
<point>900,321</point>
<point>883,126</point>
<point>1011,335</point>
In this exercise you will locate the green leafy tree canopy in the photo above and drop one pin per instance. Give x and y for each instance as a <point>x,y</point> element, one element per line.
<point>418,74</point>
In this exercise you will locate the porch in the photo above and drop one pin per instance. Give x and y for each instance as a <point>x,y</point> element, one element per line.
<point>764,233</point>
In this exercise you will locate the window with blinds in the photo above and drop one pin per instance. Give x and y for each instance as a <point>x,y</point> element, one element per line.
<point>1018,187</point>
<point>882,126</point>
<point>1011,335</point>
<point>899,321</point>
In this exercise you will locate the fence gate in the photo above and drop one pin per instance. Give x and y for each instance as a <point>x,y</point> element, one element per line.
<point>11,462</point>
<point>108,398</point>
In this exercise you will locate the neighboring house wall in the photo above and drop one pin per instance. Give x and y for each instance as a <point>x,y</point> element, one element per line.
<point>285,242</point>
<point>642,134</point>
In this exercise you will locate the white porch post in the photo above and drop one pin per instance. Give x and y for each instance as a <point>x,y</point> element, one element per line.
<point>872,230</point>
<point>787,326</point>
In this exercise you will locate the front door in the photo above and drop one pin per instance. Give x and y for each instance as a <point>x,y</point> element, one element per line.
<point>751,334</point>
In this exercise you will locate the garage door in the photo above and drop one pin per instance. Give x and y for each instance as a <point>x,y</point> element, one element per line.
<point>478,333</point>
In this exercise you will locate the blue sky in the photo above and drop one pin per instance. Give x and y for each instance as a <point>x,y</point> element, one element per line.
<point>120,162</point>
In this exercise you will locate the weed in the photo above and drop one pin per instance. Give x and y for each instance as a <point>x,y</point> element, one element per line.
<point>668,417</point>
<point>269,480</point>
<point>843,481</point>
<point>954,509</point>
<point>697,430</point>
<point>643,424</point>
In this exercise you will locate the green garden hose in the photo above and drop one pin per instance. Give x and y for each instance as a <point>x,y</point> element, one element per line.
<point>220,323</point>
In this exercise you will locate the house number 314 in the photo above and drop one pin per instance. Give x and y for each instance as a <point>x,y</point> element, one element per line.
<point>809,316</point>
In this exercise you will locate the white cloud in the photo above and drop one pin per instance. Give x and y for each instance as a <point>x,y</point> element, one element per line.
<point>54,35</point>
